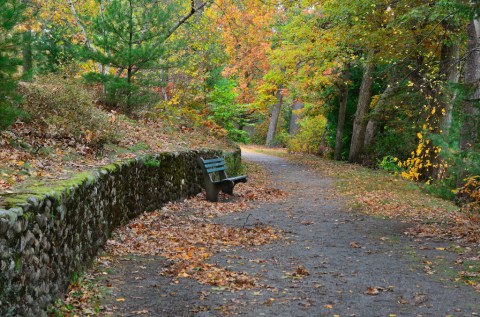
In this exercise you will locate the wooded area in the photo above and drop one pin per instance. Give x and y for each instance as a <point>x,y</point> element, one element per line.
<point>390,84</point>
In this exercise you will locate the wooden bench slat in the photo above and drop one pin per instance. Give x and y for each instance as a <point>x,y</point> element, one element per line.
<point>232,179</point>
<point>214,160</point>
<point>238,178</point>
<point>214,164</point>
<point>215,169</point>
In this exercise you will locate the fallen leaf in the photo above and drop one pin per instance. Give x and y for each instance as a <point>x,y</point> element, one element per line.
<point>372,291</point>
<point>355,245</point>
<point>140,312</point>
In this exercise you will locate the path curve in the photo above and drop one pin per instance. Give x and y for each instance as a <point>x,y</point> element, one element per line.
<point>356,265</point>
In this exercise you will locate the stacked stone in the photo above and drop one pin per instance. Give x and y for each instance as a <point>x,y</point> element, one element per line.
<point>46,241</point>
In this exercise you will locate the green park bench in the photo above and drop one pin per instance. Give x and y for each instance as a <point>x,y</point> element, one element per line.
<point>216,179</point>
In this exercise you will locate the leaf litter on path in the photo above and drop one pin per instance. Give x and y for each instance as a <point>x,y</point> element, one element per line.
<point>189,241</point>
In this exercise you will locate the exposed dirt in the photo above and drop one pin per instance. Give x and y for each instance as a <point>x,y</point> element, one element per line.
<point>330,262</point>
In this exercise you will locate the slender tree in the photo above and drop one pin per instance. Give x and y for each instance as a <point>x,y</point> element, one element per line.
<point>470,106</point>
<point>360,121</point>
<point>272,127</point>
<point>342,111</point>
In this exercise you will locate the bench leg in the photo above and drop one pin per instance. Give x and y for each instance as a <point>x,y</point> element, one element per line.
<point>212,193</point>
<point>228,188</point>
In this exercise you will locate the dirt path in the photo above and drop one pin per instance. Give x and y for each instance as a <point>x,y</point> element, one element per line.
<point>331,263</point>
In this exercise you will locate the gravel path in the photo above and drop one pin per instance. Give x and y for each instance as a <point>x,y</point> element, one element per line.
<point>332,262</point>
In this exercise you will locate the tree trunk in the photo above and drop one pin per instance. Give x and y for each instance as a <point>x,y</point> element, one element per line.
<point>322,147</point>
<point>343,93</point>
<point>130,66</point>
<point>450,73</point>
<point>470,123</point>
<point>80,25</point>
<point>372,125</point>
<point>274,118</point>
<point>360,124</point>
<point>296,107</point>
<point>27,66</point>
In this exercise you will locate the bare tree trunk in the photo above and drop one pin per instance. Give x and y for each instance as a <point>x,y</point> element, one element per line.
<point>105,68</point>
<point>470,123</point>
<point>360,124</point>
<point>450,73</point>
<point>274,118</point>
<point>322,147</point>
<point>27,55</point>
<point>296,107</point>
<point>343,91</point>
<point>84,32</point>
<point>372,125</point>
<point>130,66</point>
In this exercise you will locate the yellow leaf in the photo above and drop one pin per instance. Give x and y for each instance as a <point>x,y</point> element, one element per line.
<point>440,249</point>
<point>121,299</point>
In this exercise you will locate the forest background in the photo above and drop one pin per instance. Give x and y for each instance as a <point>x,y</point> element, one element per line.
<point>391,84</point>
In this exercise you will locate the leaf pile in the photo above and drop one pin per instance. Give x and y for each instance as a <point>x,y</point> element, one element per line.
<point>245,196</point>
<point>189,242</point>
<point>458,227</point>
<point>185,234</point>
<point>83,298</point>
<point>390,204</point>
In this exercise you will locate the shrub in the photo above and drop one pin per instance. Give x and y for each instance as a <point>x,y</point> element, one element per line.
<point>67,108</point>
<point>226,113</point>
<point>8,114</point>
<point>390,164</point>
<point>393,142</point>
<point>469,195</point>
<point>259,134</point>
<point>309,135</point>
<point>444,188</point>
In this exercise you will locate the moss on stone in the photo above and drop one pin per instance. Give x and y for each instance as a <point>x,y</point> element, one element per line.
<point>54,189</point>
<point>110,167</point>
<point>151,161</point>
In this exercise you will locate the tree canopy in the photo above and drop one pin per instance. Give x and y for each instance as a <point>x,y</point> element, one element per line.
<point>385,83</point>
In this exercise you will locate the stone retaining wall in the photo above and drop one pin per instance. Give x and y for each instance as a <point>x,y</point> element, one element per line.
<point>47,238</point>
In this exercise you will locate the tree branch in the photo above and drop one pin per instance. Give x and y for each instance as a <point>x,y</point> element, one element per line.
<point>193,10</point>
<point>80,25</point>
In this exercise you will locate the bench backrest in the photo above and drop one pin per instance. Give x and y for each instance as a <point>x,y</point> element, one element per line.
<point>215,166</point>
